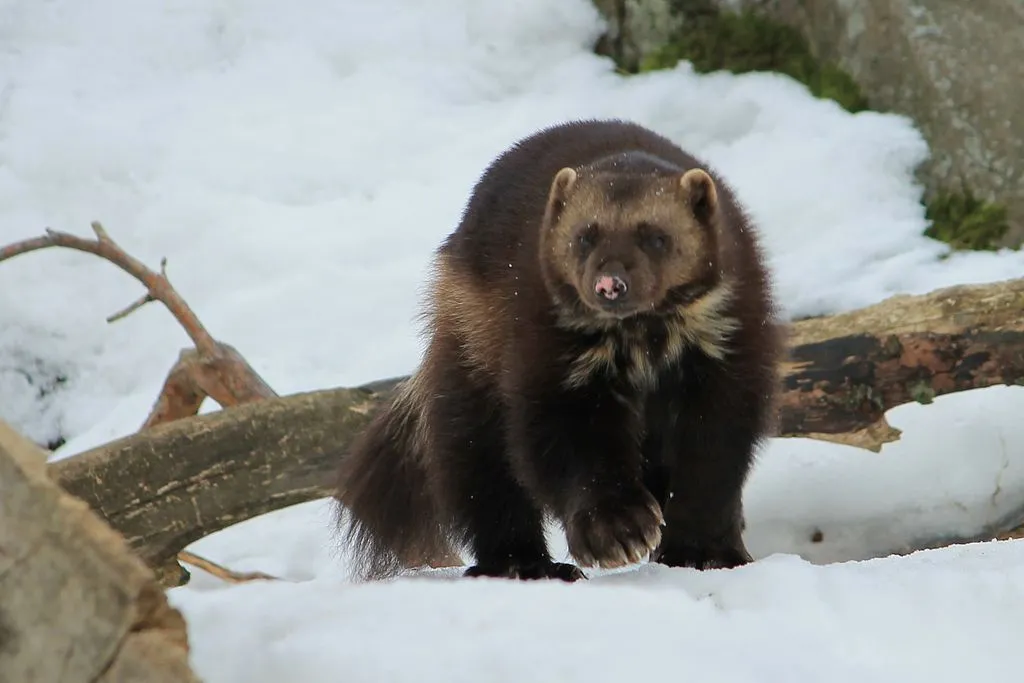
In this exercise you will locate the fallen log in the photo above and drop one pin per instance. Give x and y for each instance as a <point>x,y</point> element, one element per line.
<point>175,483</point>
<point>845,371</point>
<point>76,605</point>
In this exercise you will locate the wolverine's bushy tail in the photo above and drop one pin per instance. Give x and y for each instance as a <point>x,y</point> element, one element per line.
<point>387,516</point>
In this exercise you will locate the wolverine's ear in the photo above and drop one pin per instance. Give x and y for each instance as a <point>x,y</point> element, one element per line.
<point>561,186</point>
<point>700,193</point>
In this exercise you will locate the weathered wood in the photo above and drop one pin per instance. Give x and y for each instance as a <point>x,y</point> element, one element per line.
<point>227,378</point>
<point>846,370</point>
<point>75,605</point>
<point>222,374</point>
<point>170,485</point>
<point>180,395</point>
<point>222,572</point>
<point>174,483</point>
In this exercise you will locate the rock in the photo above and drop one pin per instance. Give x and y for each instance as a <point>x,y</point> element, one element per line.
<point>956,69</point>
<point>76,605</point>
<point>635,28</point>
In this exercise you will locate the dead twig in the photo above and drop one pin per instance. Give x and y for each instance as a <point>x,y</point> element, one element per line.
<point>157,285</point>
<point>141,301</point>
<point>211,369</point>
<point>222,572</point>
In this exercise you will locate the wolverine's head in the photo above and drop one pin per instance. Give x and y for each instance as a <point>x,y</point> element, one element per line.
<point>615,244</point>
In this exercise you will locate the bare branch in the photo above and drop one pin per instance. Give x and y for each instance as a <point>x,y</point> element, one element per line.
<point>222,572</point>
<point>157,284</point>
<point>212,369</point>
<point>225,377</point>
<point>131,308</point>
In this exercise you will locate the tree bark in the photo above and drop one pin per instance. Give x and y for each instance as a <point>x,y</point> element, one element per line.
<point>175,483</point>
<point>172,484</point>
<point>221,374</point>
<point>76,605</point>
<point>845,371</point>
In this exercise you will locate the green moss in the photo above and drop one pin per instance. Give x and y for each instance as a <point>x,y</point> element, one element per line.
<point>744,42</point>
<point>965,222</point>
<point>922,392</point>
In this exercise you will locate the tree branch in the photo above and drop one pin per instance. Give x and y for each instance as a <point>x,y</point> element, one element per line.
<point>158,286</point>
<point>222,572</point>
<point>180,396</point>
<point>212,369</point>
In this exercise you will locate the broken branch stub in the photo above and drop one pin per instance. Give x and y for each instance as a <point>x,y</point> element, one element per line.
<point>225,377</point>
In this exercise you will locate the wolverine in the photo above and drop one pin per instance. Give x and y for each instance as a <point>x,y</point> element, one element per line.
<point>602,350</point>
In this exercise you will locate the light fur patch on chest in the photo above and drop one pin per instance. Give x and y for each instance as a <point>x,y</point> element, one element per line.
<point>618,354</point>
<point>626,352</point>
<point>705,323</point>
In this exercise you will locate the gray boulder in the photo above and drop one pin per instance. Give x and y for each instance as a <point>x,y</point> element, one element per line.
<point>955,68</point>
<point>636,28</point>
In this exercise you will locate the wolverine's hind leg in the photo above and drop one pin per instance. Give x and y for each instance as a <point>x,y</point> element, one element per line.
<point>485,504</point>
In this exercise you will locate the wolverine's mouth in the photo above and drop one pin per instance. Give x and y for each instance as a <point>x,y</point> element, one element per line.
<point>614,309</point>
<point>575,310</point>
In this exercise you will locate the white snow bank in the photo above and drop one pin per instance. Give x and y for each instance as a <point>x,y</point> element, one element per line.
<point>947,615</point>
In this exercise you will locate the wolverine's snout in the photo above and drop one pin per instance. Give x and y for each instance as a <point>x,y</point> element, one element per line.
<point>611,287</point>
<point>612,284</point>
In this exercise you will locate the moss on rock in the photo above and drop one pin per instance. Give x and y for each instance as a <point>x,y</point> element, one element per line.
<point>713,40</point>
<point>966,222</point>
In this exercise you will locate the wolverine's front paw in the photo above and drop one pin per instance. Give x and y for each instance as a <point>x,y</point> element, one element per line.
<point>702,555</point>
<point>616,530</point>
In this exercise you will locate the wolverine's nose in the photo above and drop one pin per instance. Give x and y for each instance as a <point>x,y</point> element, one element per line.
<point>610,287</point>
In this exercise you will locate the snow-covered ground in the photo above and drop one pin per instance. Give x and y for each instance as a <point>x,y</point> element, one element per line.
<point>297,164</point>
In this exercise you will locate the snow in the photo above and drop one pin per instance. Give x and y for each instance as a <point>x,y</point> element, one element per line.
<point>948,615</point>
<point>297,167</point>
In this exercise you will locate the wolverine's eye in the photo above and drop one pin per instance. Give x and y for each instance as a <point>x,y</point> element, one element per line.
<point>651,237</point>
<point>587,237</point>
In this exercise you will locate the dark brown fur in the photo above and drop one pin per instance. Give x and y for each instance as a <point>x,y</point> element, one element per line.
<point>634,422</point>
